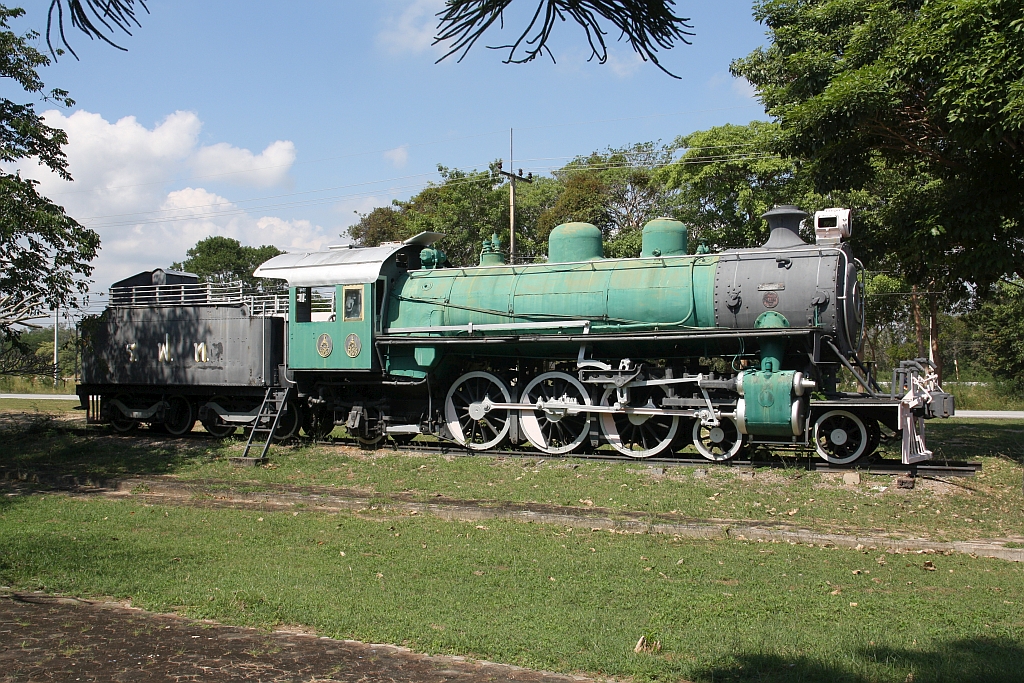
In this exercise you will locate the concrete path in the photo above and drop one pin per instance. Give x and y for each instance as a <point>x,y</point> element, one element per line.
<point>991,414</point>
<point>52,397</point>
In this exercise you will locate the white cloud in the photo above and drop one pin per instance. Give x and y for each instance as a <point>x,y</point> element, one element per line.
<point>412,29</point>
<point>623,65</point>
<point>739,86</point>
<point>398,156</point>
<point>124,178</point>
<point>719,79</point>
<point>242,167</point>
<point>744,88</point>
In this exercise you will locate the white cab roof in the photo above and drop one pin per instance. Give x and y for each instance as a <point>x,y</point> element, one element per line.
<point>340,265</point>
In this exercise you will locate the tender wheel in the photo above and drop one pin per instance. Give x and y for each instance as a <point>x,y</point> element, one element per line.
<point>180,416</point>
<point>555,431</point>
<point>639,436</point>
<point>467,410</point>
<point>121,423</point>
<point>840,437</point>
<point>216,427</point>
<point>717,443</point>
<point>289,422</point>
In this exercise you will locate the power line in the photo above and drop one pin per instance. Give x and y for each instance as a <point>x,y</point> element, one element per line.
<point>415,145</point>
<point>239,210</point>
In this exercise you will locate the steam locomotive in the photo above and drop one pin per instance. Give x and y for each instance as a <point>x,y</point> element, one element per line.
<point>647,355</point>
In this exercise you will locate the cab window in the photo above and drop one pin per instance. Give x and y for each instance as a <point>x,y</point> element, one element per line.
<point>303,304</point>
<point>353,302</point>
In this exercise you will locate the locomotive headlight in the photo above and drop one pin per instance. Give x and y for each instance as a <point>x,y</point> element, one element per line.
<point>832,225</point>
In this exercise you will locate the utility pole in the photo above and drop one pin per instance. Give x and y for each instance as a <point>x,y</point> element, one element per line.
<point>56,326</point>
<point>512,180</point>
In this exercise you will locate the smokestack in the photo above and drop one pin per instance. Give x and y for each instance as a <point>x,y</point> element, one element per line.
<point>784,221</point>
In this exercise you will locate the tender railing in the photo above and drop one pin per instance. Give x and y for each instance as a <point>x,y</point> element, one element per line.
<point>259,302</point>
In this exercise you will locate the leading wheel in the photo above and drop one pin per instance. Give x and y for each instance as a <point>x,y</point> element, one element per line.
<point>179,416</point>
<point>639,436</point>
<point>559,427</point>
<point>468,413</point>
<point>874,436</point>
<point>717,443</point>
<point>840,437</point>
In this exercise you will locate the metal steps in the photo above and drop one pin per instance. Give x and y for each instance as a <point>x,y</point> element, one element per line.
<point>263,427</point>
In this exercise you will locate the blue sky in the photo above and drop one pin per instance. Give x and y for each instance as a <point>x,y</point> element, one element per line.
<point>276,122</point>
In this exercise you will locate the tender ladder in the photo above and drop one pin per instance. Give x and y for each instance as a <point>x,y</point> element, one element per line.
<point>273,405</point>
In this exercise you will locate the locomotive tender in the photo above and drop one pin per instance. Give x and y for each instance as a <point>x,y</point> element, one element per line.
<point>645,354</point>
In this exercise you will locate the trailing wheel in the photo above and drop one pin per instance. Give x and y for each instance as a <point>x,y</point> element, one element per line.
<point>179,416</point>
<point>639,436</point>
<point>717,443</point>
<point>471,420</point>
<point>318,423</point>
<point>555,429</point>
<point>370,431</point>
<point>840,437</point>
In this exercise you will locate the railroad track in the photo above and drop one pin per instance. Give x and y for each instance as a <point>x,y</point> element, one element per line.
<point>870,466</point>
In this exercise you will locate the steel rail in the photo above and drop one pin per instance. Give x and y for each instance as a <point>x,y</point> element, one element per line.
<point>870,466</point>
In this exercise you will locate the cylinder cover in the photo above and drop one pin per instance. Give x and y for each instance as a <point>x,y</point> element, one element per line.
<point>571,242</point>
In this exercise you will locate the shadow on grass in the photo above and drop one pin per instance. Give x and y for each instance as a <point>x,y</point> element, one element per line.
<point>43,445</point>
<point>963,439</point>
<point>967,660</point>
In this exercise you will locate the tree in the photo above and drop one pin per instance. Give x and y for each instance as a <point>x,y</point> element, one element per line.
<point>918,102</point>
<point>223,259</point>
<point>584,198</point>
<point>647,24</point>
<point>727,178</point>
<point>465,206</point>
<point>617,190</point>
<point>44,253</point>
<point>383,224</point>
<point>1001,320</point>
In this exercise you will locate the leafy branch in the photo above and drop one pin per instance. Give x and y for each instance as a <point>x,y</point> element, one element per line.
<point>93,18</point>
<point>648,25</point>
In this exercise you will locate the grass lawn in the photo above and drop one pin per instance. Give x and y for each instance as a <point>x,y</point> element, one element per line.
<point>990,505</point>
<point>35,405</point>
<point>535,595</point>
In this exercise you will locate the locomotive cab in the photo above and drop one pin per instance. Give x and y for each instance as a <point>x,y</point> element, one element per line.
<point>329,327</point>
<point>338,301</point>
